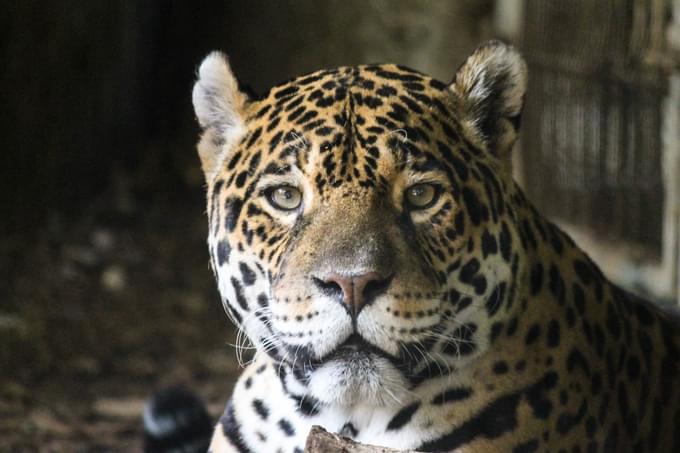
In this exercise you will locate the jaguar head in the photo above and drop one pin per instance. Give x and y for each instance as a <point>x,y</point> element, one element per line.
<point>356,218</point>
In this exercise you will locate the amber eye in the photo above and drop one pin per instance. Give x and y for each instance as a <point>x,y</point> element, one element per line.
<point>285,198</point>
<point>421,196</point>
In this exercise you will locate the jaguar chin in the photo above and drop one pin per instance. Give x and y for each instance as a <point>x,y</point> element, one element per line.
<point>358,376</point>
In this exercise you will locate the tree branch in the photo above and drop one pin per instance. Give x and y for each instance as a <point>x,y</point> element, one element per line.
<point>321,441</point>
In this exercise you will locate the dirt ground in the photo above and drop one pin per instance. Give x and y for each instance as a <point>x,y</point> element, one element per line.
<point>100,310</point>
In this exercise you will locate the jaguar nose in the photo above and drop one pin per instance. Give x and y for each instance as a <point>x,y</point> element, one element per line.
<point>354,291</point>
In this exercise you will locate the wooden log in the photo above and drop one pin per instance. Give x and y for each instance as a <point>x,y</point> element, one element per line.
<point>321,441</point>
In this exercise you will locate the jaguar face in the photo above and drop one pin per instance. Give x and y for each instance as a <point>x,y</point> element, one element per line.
<point>347,211</point>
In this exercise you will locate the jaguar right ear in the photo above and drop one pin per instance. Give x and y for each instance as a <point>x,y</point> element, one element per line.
<point>489,89</point>
<point>219,105</point>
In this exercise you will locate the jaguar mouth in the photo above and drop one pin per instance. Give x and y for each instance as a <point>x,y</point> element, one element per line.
<point>353,343</point>
<point>353,348</point>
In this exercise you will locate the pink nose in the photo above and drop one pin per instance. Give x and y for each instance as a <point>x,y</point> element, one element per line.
<point>354,291</point>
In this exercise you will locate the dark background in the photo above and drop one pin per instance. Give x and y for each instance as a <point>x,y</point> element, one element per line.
<point>105,289</point>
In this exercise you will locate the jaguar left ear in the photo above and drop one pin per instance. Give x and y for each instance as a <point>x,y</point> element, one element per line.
<point>489,92</point>
<point>219,105</point>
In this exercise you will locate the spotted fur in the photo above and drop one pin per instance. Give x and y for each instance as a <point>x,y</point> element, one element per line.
<point>470,324</point>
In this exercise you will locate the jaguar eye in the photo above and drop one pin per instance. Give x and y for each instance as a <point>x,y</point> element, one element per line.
<point>421,196</point>
<point>285,198</point>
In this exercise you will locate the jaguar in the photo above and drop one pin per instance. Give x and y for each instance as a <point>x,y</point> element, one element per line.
<point>367,235</point>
